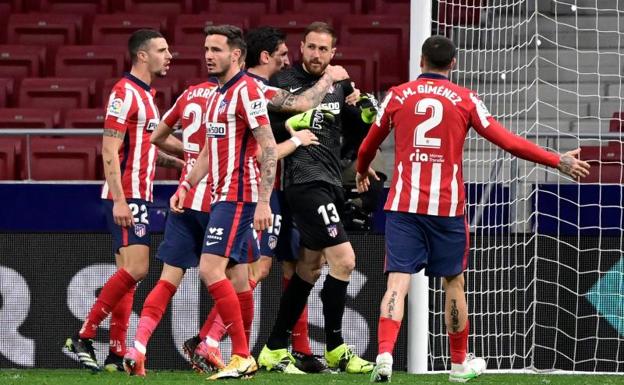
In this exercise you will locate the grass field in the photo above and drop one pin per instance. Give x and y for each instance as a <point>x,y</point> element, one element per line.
<point>70,377</point>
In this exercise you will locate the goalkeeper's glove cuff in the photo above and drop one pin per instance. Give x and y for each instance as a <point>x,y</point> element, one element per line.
<point>310,119</point>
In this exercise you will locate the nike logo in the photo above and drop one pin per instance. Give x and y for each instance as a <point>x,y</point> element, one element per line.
<point>211,243</point>
<point>293,90</point>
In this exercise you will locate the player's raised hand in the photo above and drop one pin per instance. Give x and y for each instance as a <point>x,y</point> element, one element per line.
<point>570,165</point>
<point>263,219</point>
<point>362,182</point>
<point>336,73</point>
<point>307,137</point>
<point>122,215</point>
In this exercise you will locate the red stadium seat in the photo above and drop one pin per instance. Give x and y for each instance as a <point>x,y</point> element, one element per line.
<point>65,158</point>
<point>95,62</point>
<point>187,61</point>
<point>191,82</point>
<point>362,64</point>
<point>388,7</point>
<point>605,161</point>
<point>189,29</point>
<point>155,7</point>
<point>466,12</point>
<point>78,7</point>
<point>617,122</point>
<point>293,25</point>
<point>46,29</point>
<point>56,92</point>
<point>116,29</point>
<point>5,11</point>
<point>20,61</point>
<point>29,118</point>
<point>6,92</point>
<point>321,7</point>
<point>83,118</point>
<point>240,7</point>
<point>166,174</point>
<point>387,34</point>
<point>10,149</point>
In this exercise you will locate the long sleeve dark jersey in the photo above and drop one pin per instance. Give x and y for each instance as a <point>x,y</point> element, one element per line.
<point>316,162</point>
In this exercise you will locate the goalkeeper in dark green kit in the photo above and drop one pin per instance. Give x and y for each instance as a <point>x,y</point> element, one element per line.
<point>314,194</point>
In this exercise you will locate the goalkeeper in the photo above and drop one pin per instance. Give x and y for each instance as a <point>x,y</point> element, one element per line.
<point>314,194</point>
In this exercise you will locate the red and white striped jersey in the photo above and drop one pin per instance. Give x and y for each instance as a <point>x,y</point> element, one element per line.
<point>189,110</point>
<point>232,112</point>
<point>431,117</point>
<point>269,92</point>
<point>131,111</point>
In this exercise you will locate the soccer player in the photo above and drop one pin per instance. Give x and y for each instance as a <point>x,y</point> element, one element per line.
<point>236,124</point>
<point>314,195</point>
<point>425,222</point>
<point>184,232</point>
<point>266,55</point>
<point>129,166</point>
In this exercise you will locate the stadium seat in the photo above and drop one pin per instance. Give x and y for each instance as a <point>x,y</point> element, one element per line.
<point>56,92</point>
<point>95,62</point>
<point>617,122</point>
<point>321,7</point>
<point>294,25</point>
<point>66,158</point>
<point>387,7</point>
<point>9,154</point>
<point>46,29</point>
<point>387,34</point>
<point>189,29</point>
<point>5,11</point>
<point>155,7</point>
<point>116,29</point>
<point>240,7</point>
<point>6,92</point>
<point>29,118</point>
<point>83,118</point>
<point>188,61</point>
<point>79,7</point>
<point>466,12</point>
<point>362,64</point>
<point>21,61</point>
<point>165,173</point>
<point>605,161</point>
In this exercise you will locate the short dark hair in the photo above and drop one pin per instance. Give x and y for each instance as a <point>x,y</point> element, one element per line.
<point>138,41</point>
<point>321,27</point>
<point>439,52</point>
<point>262,39</point>
<point>233,34</point>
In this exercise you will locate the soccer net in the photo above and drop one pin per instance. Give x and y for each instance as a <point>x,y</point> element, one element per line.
<point>545,284</point>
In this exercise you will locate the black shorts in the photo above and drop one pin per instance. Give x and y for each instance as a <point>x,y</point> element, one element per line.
<point>316,210</point>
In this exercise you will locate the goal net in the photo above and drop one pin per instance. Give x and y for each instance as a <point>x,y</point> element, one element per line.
<point>545,284</point>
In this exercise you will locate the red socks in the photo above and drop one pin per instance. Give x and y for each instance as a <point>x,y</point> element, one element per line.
<point>153,310</point>
<point>115,288</point>
<point>387,333</point>
<point>226,302</point>
<point>246,301</point>
<point>459,344</point>
<point>120,318</point>
<point>300,340</point>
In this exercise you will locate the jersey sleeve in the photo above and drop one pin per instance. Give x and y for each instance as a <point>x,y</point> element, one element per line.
<point>119,109</point>
<point>483,122</point>
<point>172,116</point>
<point>253,106</point>
<point>378,132</point>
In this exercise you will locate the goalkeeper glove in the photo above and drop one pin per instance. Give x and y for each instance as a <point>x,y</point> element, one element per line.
<point>368,106</point>
<point>310,119</point>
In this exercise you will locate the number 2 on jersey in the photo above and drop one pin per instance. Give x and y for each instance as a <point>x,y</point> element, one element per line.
<point>437,109</point>
<point>195,110</point>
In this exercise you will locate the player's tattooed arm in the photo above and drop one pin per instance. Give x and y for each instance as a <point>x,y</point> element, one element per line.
<point>111,142</point>
<point>114,133</point>
<point>268,161</point>
<point>284,101</point>
<point>168,161</point>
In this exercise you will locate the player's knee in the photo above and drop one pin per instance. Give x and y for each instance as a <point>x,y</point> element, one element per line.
<point>455,282</point>
<point>345,265</point>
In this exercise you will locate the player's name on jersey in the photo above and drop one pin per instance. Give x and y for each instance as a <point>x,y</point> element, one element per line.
<point>429,89</point>
<point>199,93</point>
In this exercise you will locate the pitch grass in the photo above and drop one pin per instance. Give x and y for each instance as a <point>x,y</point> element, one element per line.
<point>75,376</point>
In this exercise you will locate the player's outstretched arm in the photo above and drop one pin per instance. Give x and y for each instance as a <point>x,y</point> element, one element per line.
<point>570,165</point>
<point>168,161</point>
<point>111,142</point>
<point>284,101</point>
<point>162,138</point>
<point>268,164</point>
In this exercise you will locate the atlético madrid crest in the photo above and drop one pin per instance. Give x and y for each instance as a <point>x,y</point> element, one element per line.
<point>140,230</point>
<point>332,230</point>
<point>272,242</point>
